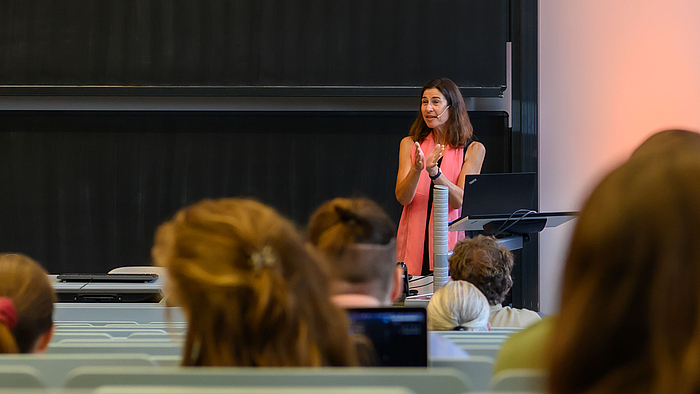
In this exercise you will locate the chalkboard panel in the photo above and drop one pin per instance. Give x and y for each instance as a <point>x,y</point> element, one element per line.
<point>374,47</point>
<point>85,191</point>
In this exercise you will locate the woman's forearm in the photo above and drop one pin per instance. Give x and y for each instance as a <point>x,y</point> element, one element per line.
<point>406,189</point>
<point>455,192</point>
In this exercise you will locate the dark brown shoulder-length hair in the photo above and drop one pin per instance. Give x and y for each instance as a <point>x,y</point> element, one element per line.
<point>630,308</point>
<point>460,127</point>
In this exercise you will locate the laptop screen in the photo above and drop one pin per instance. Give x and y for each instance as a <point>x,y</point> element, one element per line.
<point>499,194</point>
<point>399,336</point>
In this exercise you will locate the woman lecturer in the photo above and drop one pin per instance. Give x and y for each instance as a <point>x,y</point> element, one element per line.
<point>438,150</point>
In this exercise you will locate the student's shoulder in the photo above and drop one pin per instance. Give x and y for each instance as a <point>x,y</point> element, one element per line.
<point>526,348</point>
<point>530,313</point>
<point>522,312</point>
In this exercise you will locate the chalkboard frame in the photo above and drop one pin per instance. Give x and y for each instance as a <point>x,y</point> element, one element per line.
<point>236,91</point>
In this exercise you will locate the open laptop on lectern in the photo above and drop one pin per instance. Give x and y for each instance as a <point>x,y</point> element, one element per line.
<point>496,194</point>
<point>504,203</point>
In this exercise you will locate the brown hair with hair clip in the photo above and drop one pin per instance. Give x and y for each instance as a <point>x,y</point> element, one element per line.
<point>252,293</point>
<point>8,314</point>
<point>359,241</point>
<point>27,285</point>
<point>8,321</point>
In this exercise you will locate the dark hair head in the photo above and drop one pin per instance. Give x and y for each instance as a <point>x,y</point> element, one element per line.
<point>253,294</point>
<point>358,239</point>
<point>630,309</point>
<point>460,127</point>
<point>26,283</point>
<point>485,263</point>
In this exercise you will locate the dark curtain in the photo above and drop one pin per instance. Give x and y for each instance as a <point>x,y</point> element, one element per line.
<point>252,43</point>
<point>85,191</point>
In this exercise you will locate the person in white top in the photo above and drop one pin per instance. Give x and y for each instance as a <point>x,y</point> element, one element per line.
<point>458,306</point>
<point>485,263</point>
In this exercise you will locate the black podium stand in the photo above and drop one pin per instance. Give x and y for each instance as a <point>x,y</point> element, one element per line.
<point>514,227</point>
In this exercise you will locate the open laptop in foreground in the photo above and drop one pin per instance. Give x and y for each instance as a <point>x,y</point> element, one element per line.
<point>504,203</point>
<point>398,336</point>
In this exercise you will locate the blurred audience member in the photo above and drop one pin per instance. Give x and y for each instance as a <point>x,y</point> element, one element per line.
<point>458,305</point>
<point>666,142</point>
<point>485,263</point>
<point>526,349</point>
<point>252,293</point>
<point>358,240</point>
<point>630,309</point>
<point>26,305</point>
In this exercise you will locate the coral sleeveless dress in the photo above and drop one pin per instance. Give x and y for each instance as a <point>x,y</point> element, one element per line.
<point>410,238</point>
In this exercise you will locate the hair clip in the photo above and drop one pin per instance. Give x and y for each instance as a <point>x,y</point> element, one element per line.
<point>8,313</point>
<point>266,258</point>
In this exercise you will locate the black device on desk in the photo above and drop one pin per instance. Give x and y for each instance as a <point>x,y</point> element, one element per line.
<point>399,335</point>
<point>112,288</point>
<point>405,280</point>
<point>114,278</point>
<point>497,194</point>
<point>504,204</point>
<point>508,198</point>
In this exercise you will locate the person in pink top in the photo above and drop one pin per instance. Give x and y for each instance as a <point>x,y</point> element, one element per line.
<point>439,150</point>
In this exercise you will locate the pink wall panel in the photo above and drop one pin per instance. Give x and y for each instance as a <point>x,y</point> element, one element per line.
<point>611,74</point>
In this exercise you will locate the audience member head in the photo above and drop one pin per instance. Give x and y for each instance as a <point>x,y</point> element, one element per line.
<point>666,142</point>
<point>458,305</point>
<point>460,127</point>
<point>358,239</point>
<point>630,309</point>
<point>486,264</point>
<point>252,293</point>
<point>26,305</point>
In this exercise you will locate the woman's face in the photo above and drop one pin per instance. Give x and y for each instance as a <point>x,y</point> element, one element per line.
<point>434,108</point>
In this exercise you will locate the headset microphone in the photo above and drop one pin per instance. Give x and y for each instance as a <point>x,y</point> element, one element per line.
<point>443,112</point>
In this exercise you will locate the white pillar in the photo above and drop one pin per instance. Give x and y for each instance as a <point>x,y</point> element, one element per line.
<point>440,238</point>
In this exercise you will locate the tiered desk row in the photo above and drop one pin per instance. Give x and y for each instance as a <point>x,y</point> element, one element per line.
<point>136,349</point>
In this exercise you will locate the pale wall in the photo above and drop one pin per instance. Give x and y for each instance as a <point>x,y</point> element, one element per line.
<point>612,72</point>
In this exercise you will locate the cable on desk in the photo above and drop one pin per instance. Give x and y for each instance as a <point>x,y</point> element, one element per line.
<point>418,287</point>
<point>501,230</point>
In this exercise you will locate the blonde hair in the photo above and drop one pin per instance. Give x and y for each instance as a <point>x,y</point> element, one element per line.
<point>458,305</point>
<point>26,283</point>
<point>252,293</point>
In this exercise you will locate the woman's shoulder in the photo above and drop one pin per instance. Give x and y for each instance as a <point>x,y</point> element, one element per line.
<point>476,147</point>
<point>407,143</point>
<point>407,140</point>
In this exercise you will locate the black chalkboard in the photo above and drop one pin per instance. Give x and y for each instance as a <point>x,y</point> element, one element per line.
<point>251,47</point>
<point>83,191</point>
